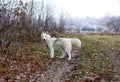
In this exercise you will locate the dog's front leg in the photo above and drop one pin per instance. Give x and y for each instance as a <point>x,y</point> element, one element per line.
<point>52,52</point>
<point>51,49</point>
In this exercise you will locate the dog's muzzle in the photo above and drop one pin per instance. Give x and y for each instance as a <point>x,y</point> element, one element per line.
<point>44,39</point>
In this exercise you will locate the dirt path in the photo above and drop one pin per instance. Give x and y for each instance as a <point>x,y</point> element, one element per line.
<point>59,71</point>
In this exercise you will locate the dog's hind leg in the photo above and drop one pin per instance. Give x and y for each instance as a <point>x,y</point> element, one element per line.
<point>69,54</point>
<point>68,51</point>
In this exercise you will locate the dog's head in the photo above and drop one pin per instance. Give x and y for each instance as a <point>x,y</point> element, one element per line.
<point>45,36</point>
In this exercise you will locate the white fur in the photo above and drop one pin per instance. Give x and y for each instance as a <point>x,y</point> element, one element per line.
<point>64,44</point>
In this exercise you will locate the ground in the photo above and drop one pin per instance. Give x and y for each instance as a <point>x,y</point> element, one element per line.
<point>97,61</point>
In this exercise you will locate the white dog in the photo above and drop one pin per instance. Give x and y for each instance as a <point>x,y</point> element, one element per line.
<point>64,44</point>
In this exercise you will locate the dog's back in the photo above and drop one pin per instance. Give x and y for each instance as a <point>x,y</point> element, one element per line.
<point>63,41</point>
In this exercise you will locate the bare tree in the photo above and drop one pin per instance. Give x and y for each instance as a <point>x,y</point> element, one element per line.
<point>17,17</point>
<point>61,24</point>
<point>113,24</point>
<point>50,23</point>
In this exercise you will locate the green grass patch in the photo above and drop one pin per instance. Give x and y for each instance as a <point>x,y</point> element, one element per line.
<point>109,40</point>
<point>94,60</point>
<point>58,53</point>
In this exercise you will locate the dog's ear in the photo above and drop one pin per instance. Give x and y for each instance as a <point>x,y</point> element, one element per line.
<point>46,32</point>
<point>41,32</point>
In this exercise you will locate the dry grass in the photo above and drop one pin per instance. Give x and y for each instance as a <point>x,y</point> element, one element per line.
<point>33,59</point>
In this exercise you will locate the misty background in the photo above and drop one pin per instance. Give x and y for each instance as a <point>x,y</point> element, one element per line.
<point>32,16</point>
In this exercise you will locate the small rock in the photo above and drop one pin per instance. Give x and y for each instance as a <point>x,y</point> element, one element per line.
<point>18,77</point>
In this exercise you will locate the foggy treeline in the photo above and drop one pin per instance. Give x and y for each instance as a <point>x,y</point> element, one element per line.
<point>21,21</point>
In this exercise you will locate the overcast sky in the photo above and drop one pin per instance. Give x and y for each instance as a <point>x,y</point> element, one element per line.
<point>83,8</point>
<point>92,8</point>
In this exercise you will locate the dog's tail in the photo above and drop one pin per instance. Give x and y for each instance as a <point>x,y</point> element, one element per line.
<point>76,41</point>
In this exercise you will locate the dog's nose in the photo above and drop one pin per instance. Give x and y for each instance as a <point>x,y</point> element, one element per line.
<point>44,39</point>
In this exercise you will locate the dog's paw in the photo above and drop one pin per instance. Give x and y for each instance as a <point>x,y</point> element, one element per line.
<point>69,58</point>
<point>52,56</point>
